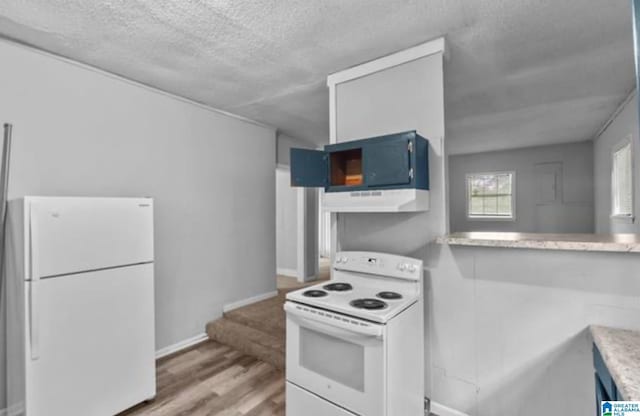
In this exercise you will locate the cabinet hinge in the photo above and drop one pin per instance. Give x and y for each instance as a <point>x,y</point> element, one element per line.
<point>411,173</point>
<point>410,146</point>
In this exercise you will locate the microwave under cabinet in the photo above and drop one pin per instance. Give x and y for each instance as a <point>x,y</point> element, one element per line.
<point>380,174</point>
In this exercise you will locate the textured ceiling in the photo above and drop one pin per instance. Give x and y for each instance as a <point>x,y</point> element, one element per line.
<point>521,72</point>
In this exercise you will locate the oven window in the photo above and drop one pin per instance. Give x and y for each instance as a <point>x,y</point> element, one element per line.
<point>333,358</point>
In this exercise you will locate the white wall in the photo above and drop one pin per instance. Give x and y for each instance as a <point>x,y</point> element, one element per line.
<point>506,328</point>
<point>81,132</point>
<point>286,224</point>
<point>510,326</point>
<point>623,125</point>
<point>405,97</point>
<point>573,213</point>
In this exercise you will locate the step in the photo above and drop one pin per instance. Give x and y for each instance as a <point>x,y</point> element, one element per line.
<point>248,340</point>
<point>266,316</point>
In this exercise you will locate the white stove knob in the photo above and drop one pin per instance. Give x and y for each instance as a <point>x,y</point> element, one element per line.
<point>413,268</point>
<point>402,267</point>
<point>345,259</point>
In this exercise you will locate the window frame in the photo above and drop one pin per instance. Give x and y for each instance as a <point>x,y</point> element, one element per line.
<point>471,217</point>
<point>629,218</point>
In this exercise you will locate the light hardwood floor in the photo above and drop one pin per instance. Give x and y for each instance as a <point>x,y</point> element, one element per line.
<point>213,379</point>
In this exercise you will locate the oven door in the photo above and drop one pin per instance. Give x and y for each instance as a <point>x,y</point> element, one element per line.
<point>336,357</point>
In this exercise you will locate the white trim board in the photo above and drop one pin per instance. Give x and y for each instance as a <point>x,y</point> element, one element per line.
<point>179,346</point>
<point>420,51</point>
<point>442,410</point>
<point>248,301</point>
<point>301,233</point>
<point>287,272</point>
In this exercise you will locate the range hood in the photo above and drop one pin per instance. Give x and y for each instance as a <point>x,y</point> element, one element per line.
<point>388,200</point>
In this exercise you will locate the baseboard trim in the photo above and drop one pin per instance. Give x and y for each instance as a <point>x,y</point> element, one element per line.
<point>179,346</point>
<point>287,272</point>
<point>248,301</point>
<point>442,410</point>
<point>15,410</point>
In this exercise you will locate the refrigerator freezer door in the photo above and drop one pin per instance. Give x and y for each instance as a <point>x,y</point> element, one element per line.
<point>71,235</point>
<point>96,343</point>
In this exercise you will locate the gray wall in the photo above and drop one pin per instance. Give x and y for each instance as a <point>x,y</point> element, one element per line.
<point>81,132</point>
<point>573,213</point>
<point>284,144</point>
<point>286,224</point>
<point>624,124</point>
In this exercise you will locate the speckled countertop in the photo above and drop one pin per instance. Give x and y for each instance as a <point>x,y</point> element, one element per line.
<point>625,243</point>
<point>620,350</point>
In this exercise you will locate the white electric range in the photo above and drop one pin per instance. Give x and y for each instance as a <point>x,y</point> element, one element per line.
<point>355,344</point>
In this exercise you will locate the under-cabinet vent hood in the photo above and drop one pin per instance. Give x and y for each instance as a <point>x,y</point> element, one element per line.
<point>390,200</point>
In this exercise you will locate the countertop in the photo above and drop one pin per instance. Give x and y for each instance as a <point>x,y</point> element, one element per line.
<point>625,243</point>
<point>620,350</point>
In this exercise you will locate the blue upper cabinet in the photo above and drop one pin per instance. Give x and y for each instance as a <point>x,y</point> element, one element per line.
<point>309,168</point>
<point>387,163</point>
<point>394,161</point>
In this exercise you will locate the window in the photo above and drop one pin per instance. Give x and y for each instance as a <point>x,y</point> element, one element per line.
<point>491,195</point>
<point>622,180</point>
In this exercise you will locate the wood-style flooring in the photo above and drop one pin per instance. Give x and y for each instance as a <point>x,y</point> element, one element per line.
<point>214,379</point>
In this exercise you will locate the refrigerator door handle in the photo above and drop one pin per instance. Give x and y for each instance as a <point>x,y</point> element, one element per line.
<point>35,320</point>
<point>34,335</point>
<point>33,243</point>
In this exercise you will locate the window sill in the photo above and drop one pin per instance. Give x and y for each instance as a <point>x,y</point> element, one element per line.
<point>624,219</point>
<point>489,218</point>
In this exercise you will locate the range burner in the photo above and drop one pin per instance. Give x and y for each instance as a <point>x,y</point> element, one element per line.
<point>389,295</point>
<point>371,304</point>
<point>338,287</point>
<point>314,293</point>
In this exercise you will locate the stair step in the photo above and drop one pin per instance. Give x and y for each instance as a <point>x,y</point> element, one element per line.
<point>266,316</point>
<point>248,340</point>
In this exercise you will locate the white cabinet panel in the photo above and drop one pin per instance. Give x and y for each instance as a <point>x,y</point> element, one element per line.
<point>301,402</point>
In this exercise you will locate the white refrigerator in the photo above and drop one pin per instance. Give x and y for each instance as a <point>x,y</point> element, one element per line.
<point>80,305</point>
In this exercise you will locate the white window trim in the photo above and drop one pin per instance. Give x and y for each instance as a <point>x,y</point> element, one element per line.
<point>624,218</point>
<point>470,217</point>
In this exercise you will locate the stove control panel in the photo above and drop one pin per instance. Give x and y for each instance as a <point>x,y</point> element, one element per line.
<point>379,264</point>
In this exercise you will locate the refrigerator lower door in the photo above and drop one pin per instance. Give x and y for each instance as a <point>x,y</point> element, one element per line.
<point>95,352</point>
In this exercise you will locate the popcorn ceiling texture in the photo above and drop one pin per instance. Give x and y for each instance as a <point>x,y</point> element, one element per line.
<point>521,72</point>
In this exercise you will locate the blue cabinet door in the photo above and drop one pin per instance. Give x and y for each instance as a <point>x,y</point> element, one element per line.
<point>309,168</point>
<point>601,395</point>
<point>387,163</point>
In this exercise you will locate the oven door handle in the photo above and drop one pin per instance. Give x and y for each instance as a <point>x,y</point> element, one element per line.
<point>333,326</point>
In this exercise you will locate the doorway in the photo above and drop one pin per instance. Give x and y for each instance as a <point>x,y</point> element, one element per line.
<point>297,231</point>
